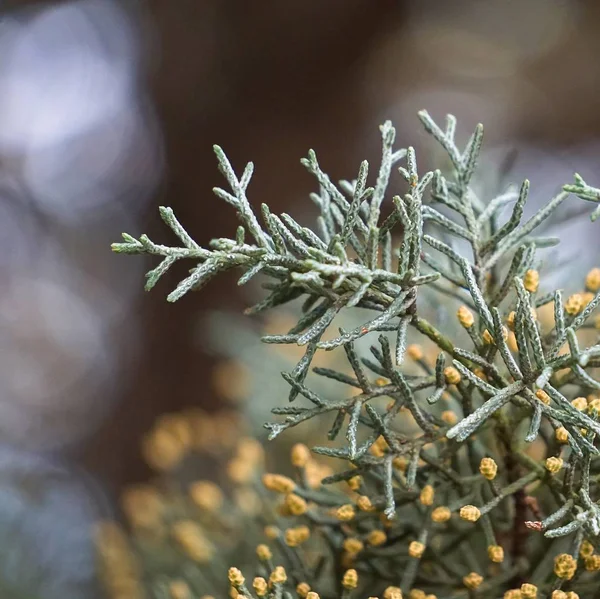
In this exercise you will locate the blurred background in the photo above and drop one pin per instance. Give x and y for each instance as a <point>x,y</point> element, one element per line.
<point>110,109</point>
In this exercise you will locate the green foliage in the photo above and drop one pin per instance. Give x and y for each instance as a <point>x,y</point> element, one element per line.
<point>377,255</point>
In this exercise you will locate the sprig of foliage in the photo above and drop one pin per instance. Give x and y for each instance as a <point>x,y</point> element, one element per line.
<point>377,255</point>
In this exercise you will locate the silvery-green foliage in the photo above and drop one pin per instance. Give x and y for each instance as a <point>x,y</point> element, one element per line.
<point>374,256</point>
